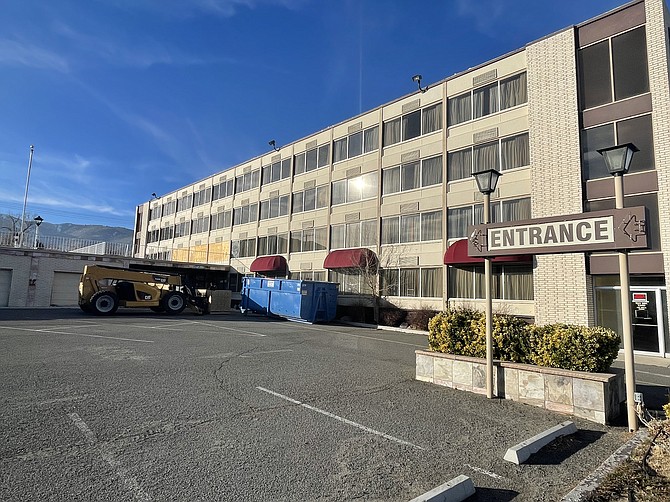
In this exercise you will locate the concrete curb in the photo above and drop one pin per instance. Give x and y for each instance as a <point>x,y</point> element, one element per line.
<point>591,482</point>
<point>456,490</point>
<point>384,328</point>
<point>521,452</point>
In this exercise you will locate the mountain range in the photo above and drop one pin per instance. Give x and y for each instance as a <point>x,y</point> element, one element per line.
<point>88,232</point>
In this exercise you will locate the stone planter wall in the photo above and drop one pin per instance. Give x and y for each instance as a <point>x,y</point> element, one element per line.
<point>593,396</point>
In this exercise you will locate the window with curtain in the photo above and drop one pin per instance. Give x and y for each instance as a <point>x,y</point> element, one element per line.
<point>513,91</point>
<point>339,195</point>
<point>391,180</point>
<point>515,151</point>
<point>478,213</point>
<point>410,228</point>
<point>353,237</point>
<point>337,236</point>
<point>369,232</point>
<point>431,119</point>
<point>516,209</point>
<point>311,159</point>
<point>409,282</point>
<point>356,144</point>
<point>431,283</point>
<point>459,164</point>
<point>431,226</point>
<point>485,100</point>
<point>309,203</point>
<point>391,132</point>
<point>390,281</point>
<point>298,202</point>
<point>459,109</point>
<point>486,156</point>
<point>431,171</point>
<point>391,230</point>
<point>411,125</point>
<point>510,282</point>
<point>299,163</point>
<point>324,155</point>
<point>369,189</point>
<point>371,139</point>
<point>410,176</point>
<point>517,282</point>
<point>458,220</point>
<point>340,148</point>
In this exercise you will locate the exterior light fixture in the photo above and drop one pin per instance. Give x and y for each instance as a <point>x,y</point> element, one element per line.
<point>154,196</point>
<point>38,220</point>
<point>273,144</point>
<point>487,180</point>
<point>618,158</point>
<point>417,78</point>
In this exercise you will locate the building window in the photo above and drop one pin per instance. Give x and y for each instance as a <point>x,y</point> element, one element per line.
<point>185,202</point>
<point>356,144</point>
<point>310,199</point>
<point>614,69</point>
<point>223,189</point>
<point>412,175</point>
<point>200,225</point>
<point>309,239</point>
<point>354,189</point>
<point>274,207</point>
<point>222,219</point>
<point>459,219</point>
<point>167,233</point>
<point>637,130</point>
<point>273,244</point>
<point>169,208</point>
<point>309,275</point>
<point>413,124</point>
<point>276,171</point>
<point>489,99</point>
<point>412,228</point>
<point>352,282</point>
<point>243,248</point>
<point>505,153</point>
<point>248,181</point>
<point>201,197</point>
<point>353,235</point>
<point>312,159</point>
<point>510,282</point>
<point>412,282</point>
<point>182,229</point>
<point>245,214</point>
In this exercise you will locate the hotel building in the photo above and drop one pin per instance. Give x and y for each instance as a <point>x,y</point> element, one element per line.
<point>395,183</point>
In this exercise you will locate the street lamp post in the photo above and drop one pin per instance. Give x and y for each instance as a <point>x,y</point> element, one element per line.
<point>486,182</point>
<point>617,159</point>
<point>38,221</point>
<point>25,198</point>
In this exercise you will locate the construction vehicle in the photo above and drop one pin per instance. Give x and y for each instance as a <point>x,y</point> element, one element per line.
<point>102,290</point>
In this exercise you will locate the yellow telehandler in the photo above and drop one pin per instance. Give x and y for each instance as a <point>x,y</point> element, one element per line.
<point>102,290</point>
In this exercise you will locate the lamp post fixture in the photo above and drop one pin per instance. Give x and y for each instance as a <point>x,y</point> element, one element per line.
<point>38,221</point>
<point>617,159</point>
<point>486,182</point>
<point>25,199</point>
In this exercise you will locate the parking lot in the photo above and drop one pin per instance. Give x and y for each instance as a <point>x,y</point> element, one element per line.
<point>141,406</point>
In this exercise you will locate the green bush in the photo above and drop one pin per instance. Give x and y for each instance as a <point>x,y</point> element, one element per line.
<point>571,347</point>
<point>462,331</point>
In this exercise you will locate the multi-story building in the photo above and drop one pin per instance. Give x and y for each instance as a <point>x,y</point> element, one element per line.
<point>396,181</point>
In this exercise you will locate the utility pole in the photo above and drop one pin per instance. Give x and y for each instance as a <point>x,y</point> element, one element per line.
<point>25,198</point>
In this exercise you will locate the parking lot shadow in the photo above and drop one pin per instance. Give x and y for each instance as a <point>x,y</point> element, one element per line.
<point>564,447</point>
<point>493,495</point>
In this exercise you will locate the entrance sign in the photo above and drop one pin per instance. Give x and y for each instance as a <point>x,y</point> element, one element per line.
<point>594,231</point>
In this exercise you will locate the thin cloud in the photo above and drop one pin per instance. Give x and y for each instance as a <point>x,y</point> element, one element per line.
<point>220,8</point>
<point>485,13</point>
<point>16,53</point>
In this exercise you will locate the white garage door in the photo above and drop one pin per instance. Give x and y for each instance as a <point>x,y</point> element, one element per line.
<point>5,283</point>
<point>65,289</point>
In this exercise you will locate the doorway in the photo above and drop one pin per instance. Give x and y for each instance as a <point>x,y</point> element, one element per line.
<point>649,314</point>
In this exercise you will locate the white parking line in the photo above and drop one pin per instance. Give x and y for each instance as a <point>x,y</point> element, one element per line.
<point>76,334</point>
<point>241,331</point>
<point>62,400</point>
<point>129,481</point>
<point>366,337</point>
<point>340,419</point>
<point>252,354</point>
<point>484,471</point>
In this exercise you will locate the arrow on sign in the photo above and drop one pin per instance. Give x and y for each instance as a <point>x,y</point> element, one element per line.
<point>634,228</point>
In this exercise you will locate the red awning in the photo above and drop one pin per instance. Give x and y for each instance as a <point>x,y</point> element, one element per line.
<point>268,264</point>
<point>351,258</point>
<point>457,254</point>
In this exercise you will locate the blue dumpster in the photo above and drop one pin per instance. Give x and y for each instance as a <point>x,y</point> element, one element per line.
<point>306,301</point>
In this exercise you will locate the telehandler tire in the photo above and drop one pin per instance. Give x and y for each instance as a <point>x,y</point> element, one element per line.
<point>104,303</point>
<point>173,302</point>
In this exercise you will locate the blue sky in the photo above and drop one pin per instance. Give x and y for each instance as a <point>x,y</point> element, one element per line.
<point>122,98</point>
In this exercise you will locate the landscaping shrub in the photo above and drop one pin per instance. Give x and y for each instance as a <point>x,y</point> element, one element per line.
<point>573,347</point>
<point>391,317</point>
<point>462,331</point>
<point>418,319</point>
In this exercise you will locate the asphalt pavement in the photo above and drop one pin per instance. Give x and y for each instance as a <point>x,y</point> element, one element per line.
<point>141,406</point>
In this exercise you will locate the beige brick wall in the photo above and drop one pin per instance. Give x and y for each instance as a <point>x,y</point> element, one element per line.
<point>562,293</point>
<point>658,20</point>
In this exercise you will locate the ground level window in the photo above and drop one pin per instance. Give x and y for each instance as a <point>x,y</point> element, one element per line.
<point>510,282</point>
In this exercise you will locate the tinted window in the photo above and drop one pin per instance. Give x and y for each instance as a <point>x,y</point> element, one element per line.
<point>638,132</point>
<point>594,69</point>
<point>629,59</point>
<point>593,165</point>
